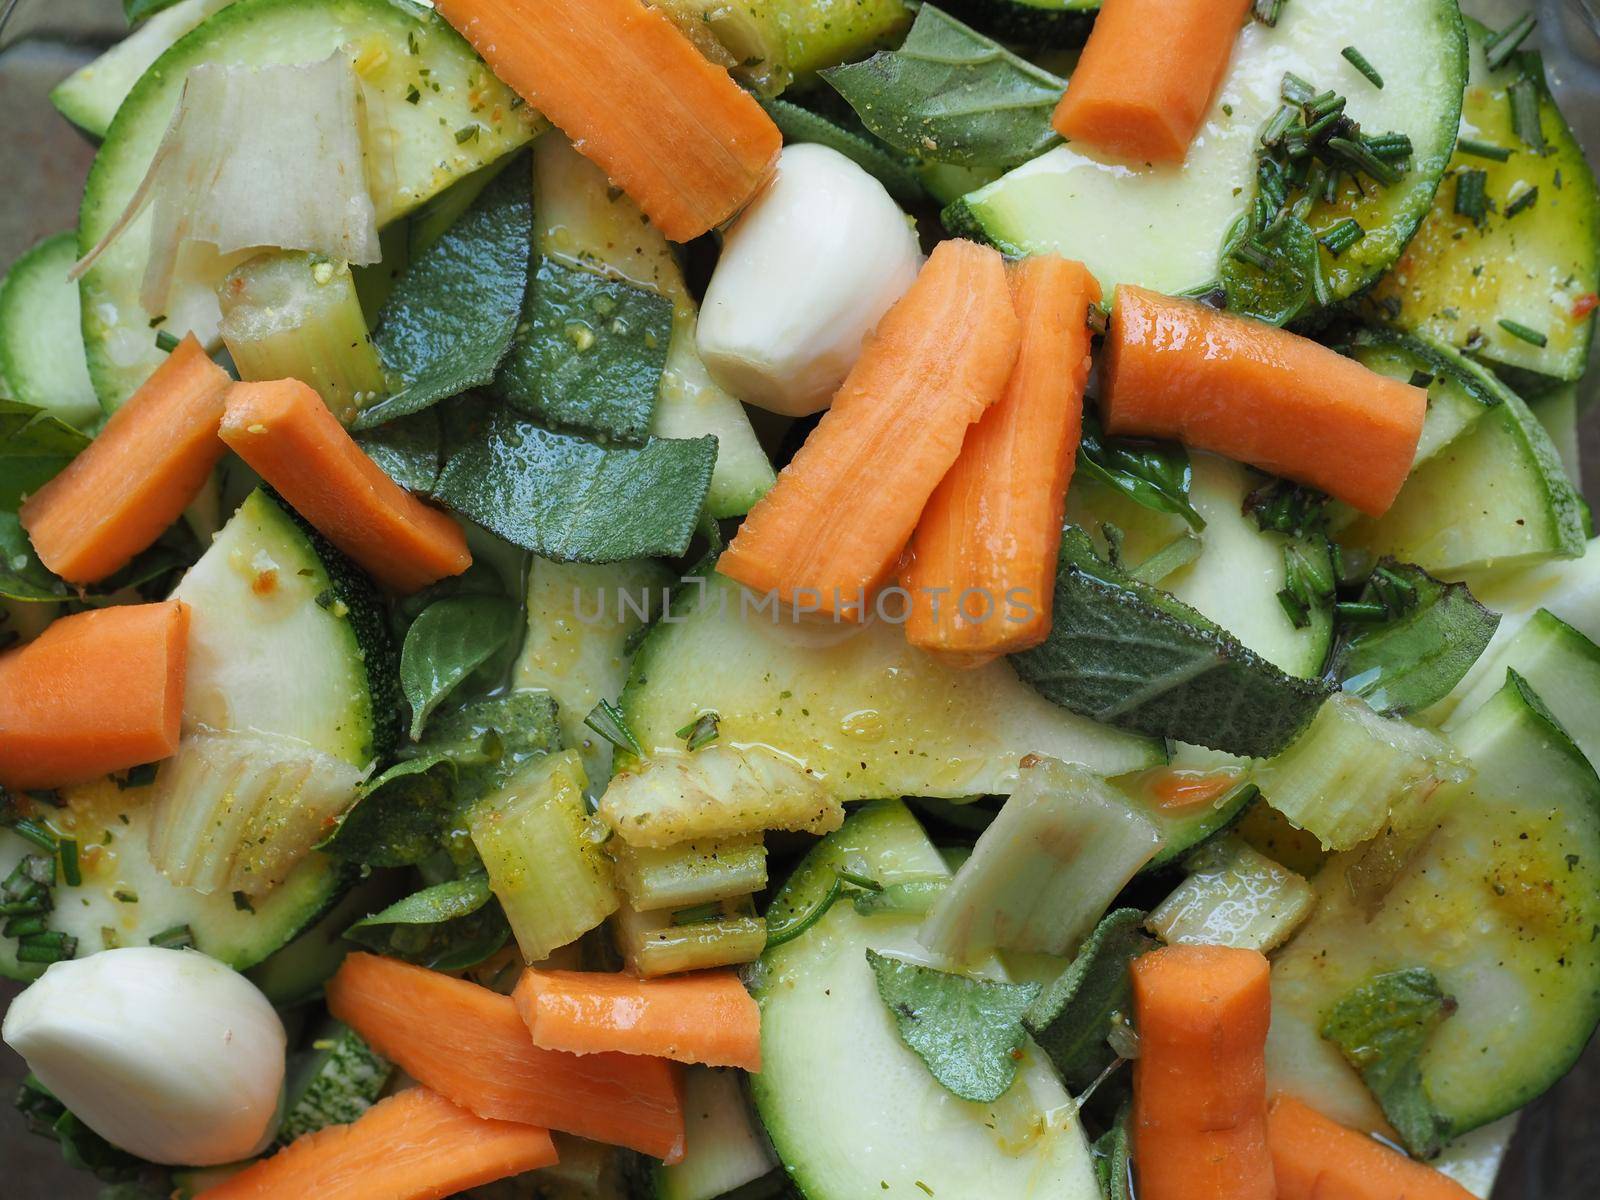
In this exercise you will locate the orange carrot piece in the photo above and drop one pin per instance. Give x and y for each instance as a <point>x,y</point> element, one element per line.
<point>834,525</point>
<point>137,476</point>
<point>1176,790</point>
<point>1147,76</point>
<point>468,1043</point>
<point>98,691</point>
<point>667,125</point>
<point>1200,1081</point>
<point>1318,1159</point>
<point>284,430</point>
<point>1174,368</point>
<point>703,1017</point>
<point>416,1145</point>
<point>982,566</point>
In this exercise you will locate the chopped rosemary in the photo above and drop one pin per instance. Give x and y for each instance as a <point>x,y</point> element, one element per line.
<point>48,947</point>
<point>1524,98</point>
<point>467,133</point>
<point>1267,11</point>
<point>35,833</point>
<point>179,937</point>
<point>606,719</point>
<point>1482,149</point>
<point>701,731</point>
<point>1098,320</point>
<point>1359,61</point>
<point>1391,147</point>
<point>1520,331</point>
<point>1294,89</point>
<point>1341,235</point>
<point>1361,158</point>
<point>166,341</point>
<point>1360,610</point>
<point>1278,124</point>
<point>68,849</point>
<point>23,926</point>
<point>1470,200</point>
<point>1498,47</point>
<point>1523,201</point>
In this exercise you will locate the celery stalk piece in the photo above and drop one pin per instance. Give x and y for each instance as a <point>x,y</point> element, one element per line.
<point>293,315</point>
<point>543,854</point>
<point>690,873</point>
<point>1044,870</point>
<point>1340,778</point>
<point>1235,897</point>
<point>665,943</point>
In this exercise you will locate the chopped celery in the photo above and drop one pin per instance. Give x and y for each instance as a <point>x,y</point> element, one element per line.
<point>1062,847</point>
<point>543,854</point>
<point>293,315</point>
<point>723,1148</point>
<point>1342,776</point>
<point>717,792</point>
<point>664,943</point>
<point>690,873</point>
<point>1233,897</point>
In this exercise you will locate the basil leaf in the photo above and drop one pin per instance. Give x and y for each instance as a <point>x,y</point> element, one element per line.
<point>447,927</point>
<point>1273,281</point>
<point>22,575</point>
<point>1382,1028</point>
<point>33,446</point>
<point>446,643</point>
<point>408,449</point>
<point>591,353</point>
<point>1128,654</point>
<point>1153,474</point>
<point>573,500</point>
<point>895,172</point>
<point>400,817</point>
<point>951,95</point>
<point>453,313</point>
<point>491,739</point>
<point>1429,642</point>
<point>968,1031</point>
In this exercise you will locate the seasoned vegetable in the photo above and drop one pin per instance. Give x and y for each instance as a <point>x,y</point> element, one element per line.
<point>1233,897</point>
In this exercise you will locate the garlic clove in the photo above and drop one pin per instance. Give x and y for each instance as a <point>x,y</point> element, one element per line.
<point>167,1054</point>
<point>805,274</point>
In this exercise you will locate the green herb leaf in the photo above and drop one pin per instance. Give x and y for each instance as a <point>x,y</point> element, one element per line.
<point>951,95</point>
<point>1523,96</point>
<point>33,446</point>
<point>968,1031</point>
<point>894,171</point>
<point>447,927</point>
<point>1499,46</point>
<point>1359,61</point>
<point>334,1084</point>
<point>1127,654</point>
<point>1522,332</point>
<point>450,640</point>
<point>141,10</point>
<point>1153,474</point>
<point>408,449</point>
<point>1273,281</point>
<point>1431,634</point>
<point>607,719</point>
<point>22,575</point>
<point>574,500</point>
<point>701,731</point>
<point>81,1147</point>
<point>453,313</point>
<point>1113,1161</point>
<point>1382,1029</point>
<point>1470,200</point>
<point>590,353</point>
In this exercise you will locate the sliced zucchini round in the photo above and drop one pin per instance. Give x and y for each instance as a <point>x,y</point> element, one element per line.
<point>851,1110</point>
<point>1457,394</point>
<point>1163,227</point>
<point>41,355</point>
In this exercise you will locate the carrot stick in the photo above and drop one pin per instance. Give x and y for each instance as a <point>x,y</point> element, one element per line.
<point>667,125</point>
<point>284,430</point>
<point>1177,369</point>
<point>468,1043</point>
<point>415,1145</point>
<point>1319,1159</point>
<point>1147,76</point>
<point>1200,1081</point>
<point>1177,790</point>
<point>842,511</point>
<point>98,691</point>
<point>703,1017</point>
<point>982,566</point>
<point>137,476</point>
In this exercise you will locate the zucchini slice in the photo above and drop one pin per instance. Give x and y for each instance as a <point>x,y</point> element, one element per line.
<point>1495,889</point>
<point>1458,394</point>
<point>1459,279</point>
<point>1163,227</point>
<point>853,1112</point>
<point>413,150</point>
<point>41,355</point>
<point>855,705</point>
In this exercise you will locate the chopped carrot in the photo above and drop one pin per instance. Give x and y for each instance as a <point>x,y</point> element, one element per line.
<point>416,1145</point>
<point>842,511</point>
<point>284,430</point>
<point>668,126</point>
<point>137,476</point>
<point>98,691</point>
<point>1147,76</point>
<point>1177,369</point>
<point>1175,790</point>
<point>1319,1159</point>
<point>468,1043</point>
<point>1200,1081</point>
<point>982,566</point>
<point>703,1017</point>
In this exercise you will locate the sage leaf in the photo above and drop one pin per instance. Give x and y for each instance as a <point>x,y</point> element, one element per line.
<point>407,449</point>
<point>896,172</point>
<point>33,446</point>
<point>446,643</point>
<point>447,927</point>
<point>22,575</point>
<point>1272,281</point>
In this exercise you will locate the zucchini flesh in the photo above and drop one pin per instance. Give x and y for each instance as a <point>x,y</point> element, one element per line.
<point>39,320</point>
<point>1457,394</point>
<point>723,1148</point>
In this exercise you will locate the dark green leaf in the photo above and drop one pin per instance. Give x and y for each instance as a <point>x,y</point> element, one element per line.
<point>1112,1159</point>
<point>81,1147</point>
<point>489,740</point>
<point>573,500</point>
<point>1072,1016</point>
<point>400,817</point>
<point>451,639</point>
<point>452,315</point>
<point>968,1031</point>
<point>1273,281</point>
<point>1153,474</point>
<point>1128,654</point>
<point>952,95</point>
<point>407,449</point>
<point>799,124</point>
<point>141,10</point>
<point>447,927</point>
<point>22,575</point>
<point>33,446</point>
<point>589,354</point>
<point>1425,647</point>
<point>1382,1029</point>
<point>332,1083</point>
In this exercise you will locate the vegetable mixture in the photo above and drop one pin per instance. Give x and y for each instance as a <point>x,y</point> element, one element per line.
<point>828,598</point>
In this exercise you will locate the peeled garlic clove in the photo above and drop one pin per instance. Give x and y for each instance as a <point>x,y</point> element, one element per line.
<point>167,1054</point>
<point>805,274</point>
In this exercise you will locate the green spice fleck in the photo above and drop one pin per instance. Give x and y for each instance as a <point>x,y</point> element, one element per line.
<point>412,95</point>
<point>1341,235</point>
<point>1359,61</point>
<point>1518,330</point>
<point>166,342</point>
<point>125,896</point>
<point>179,937</point>
<point>1523,201</point>
<point>466,133</point>
<point>701,731</point>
